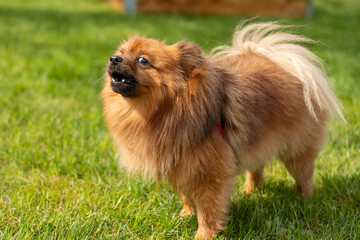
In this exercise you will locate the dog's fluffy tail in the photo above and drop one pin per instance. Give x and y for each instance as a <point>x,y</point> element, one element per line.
<point>282,48</point>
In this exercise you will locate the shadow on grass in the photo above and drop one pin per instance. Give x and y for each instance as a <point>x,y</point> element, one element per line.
<point>275,211</point>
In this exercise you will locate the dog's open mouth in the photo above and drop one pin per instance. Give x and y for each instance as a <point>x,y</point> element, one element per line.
<point>122,79</point>
<point>123,84</point>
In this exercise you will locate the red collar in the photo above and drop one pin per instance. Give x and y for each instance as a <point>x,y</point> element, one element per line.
<point>220,129</point>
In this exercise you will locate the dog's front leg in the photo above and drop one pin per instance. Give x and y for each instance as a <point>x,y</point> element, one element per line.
<point>212,200</point>
<point>188,208</point>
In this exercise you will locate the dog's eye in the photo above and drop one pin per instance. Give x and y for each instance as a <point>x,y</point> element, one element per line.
<point>142,60</point>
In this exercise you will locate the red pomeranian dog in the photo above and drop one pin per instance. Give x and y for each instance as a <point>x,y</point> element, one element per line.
<point>197,121</point>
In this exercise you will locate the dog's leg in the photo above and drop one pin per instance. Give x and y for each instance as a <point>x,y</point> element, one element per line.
<point>301,163</point>
<point>211,202</point>
<point>188,208</point>
<point>301,167</point>
<point>253,180</point>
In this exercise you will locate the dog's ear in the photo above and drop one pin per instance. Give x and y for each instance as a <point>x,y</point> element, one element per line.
<point>190,56</point>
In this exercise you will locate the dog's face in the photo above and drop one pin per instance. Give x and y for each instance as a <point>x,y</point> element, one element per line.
<point>141,66</point>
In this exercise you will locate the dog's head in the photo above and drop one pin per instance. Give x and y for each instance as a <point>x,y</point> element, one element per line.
<point>143,66</point>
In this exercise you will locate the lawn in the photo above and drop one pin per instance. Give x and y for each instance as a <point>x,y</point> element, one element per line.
<point>59,177</point>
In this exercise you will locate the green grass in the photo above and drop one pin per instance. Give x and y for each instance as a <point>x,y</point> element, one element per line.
<point>58,171</point>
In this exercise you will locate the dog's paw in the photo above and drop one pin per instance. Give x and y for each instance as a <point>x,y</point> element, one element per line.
<point>186,211</point>
<point>203,234</point>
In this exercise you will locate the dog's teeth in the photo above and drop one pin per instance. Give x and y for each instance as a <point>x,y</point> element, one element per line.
<point>123,80</point>
<point>113,79</point>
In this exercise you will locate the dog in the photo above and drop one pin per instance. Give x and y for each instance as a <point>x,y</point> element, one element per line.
<point>197,120</point>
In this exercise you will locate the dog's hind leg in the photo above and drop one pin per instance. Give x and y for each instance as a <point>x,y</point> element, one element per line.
<point>301,164</point>
<point>301,167</point>
<point>253,180</point>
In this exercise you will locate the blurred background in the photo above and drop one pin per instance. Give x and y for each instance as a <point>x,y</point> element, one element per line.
<point>58,170</point>
<point>229,7</point>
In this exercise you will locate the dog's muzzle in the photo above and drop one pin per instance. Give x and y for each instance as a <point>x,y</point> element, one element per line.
<point>121,81</point>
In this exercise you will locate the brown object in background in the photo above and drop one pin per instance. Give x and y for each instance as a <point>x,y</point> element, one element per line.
<point>117,4</point>
<point>229,7</point>
<point>222,7</point>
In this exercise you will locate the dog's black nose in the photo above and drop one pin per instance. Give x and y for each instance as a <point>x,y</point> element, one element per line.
<point>115,60</point>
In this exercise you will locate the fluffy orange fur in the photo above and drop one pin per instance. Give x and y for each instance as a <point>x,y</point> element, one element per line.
<point>268,108</point>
